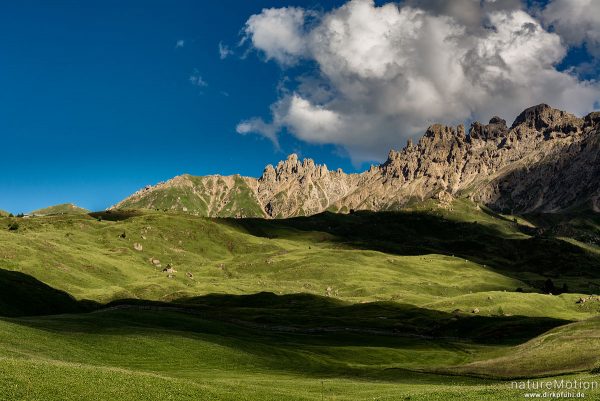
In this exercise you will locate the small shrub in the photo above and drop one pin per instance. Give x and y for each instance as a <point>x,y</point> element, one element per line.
<point>13,226</point>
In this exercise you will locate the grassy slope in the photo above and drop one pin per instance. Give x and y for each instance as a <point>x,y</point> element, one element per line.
<point>89,259</point>
<point>65,208</point>
<point>241,201</point>
<point>196,199</point>
<point>269,347</point>
<point>573,347</point>
<point>158,354</point>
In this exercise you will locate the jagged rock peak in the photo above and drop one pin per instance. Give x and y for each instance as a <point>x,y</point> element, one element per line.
<point>440,131</point>
<point>494,129</point>
<point>292,167</point>
<point>592,119</point>
<point>269,173</point>
<point>497,120</point>
<point>542,116</point>
<point>393,155</point>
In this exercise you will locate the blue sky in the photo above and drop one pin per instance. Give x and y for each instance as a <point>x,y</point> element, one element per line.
<point>96,99</point>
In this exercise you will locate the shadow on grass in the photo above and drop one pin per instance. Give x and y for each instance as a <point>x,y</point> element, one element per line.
<point>298,333</point>
<point>312,314</point>
<point>115,215</point>
<point>22,294</point>
<point>420,233</point>
<point>324,319</point>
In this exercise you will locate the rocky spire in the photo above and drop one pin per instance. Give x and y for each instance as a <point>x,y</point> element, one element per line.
<point>494,129</point>
<point>543,117</point>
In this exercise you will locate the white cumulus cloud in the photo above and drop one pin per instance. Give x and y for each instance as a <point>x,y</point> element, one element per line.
<point>576,21</point>
<point>279,33</point>
<point>384,73</point>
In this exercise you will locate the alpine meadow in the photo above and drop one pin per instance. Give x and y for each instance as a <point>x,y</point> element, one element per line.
<point>462,266</point>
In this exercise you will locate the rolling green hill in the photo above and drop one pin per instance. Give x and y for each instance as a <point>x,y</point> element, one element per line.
<point>419,257</point>
<point>428,303</point>
<point>271,347</point>
<point>65,208</point>
<point>215,196</point>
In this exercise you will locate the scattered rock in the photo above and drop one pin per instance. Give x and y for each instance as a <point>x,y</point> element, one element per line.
<point>445,199</point>
<point>138,247</point>
<point>476,310</point>
<point>583,300</point>
<point>189,275</point>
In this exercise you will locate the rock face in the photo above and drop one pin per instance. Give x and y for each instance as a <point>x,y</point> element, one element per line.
<point>547,161</point>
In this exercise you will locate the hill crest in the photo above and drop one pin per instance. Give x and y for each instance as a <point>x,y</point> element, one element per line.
<point>63,208</point>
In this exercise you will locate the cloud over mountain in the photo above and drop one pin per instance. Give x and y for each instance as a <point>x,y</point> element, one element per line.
<point>576,21</point>
<point>383,73</point>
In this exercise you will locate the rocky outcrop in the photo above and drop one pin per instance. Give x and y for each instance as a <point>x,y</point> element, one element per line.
<point>302,188</point>
<point>547,161</point>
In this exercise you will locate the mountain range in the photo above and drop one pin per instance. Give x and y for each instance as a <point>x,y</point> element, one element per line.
<point>547,161</point>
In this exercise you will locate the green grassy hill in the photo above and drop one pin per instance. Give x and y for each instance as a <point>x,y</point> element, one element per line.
<point>565,349</point>
<point>65,208</point>
<point>430,303</point>
<point>215,195</point>
<point>269,348</point>
<point>417,258</point>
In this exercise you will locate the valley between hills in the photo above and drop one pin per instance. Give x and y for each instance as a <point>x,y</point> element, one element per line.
<point>463,263</point>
